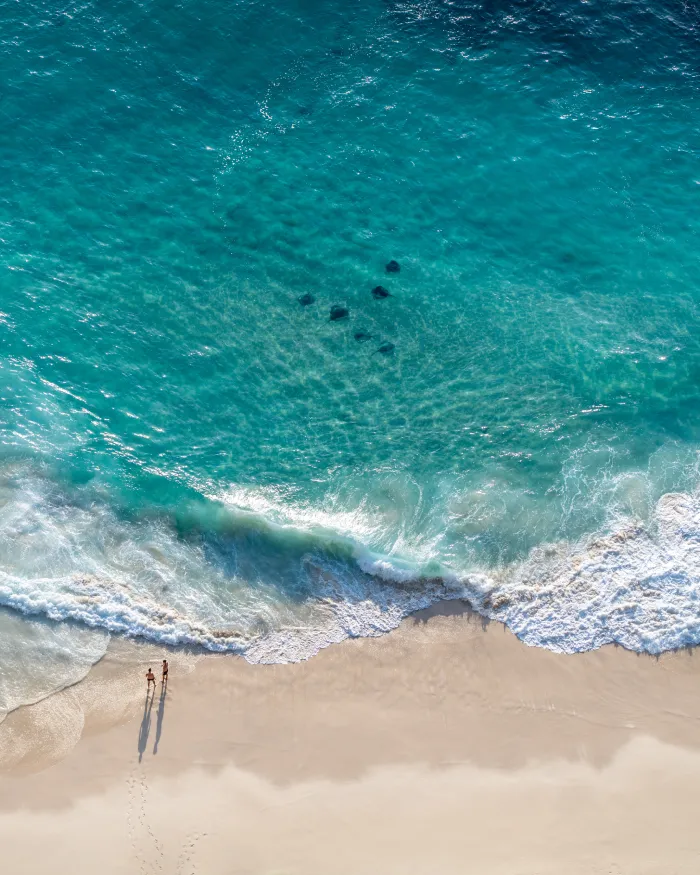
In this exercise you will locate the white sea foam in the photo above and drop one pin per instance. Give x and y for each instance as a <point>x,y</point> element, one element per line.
<point>65,560</point>
<point>343,605</point>
<point>638,584</point>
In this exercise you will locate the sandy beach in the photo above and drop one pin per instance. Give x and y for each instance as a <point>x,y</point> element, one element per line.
<point>350,360</point>
<point>445,747</point>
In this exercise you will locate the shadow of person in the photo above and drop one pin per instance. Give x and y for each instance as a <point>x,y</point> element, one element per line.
<point>160,715</point>
<point>145,724</point>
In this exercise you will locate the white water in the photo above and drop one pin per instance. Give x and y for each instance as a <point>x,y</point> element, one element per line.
<point>638,584</point>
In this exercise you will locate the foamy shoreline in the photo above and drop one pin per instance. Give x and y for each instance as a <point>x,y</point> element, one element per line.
<point>444,743</point>
<point>633,582</point>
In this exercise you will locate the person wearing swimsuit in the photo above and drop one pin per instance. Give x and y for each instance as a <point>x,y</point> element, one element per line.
<point>165,672</point>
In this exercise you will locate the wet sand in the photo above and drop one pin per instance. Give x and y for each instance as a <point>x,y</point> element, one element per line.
<point>447,747</point>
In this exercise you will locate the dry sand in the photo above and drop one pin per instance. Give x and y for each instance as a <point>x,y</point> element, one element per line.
<point>445,747</point>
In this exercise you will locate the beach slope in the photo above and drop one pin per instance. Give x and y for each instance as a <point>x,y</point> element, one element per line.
<point>447,747</point>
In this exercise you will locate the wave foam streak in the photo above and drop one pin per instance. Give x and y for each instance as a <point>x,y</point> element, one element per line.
<point>638,586</point>
<point>279,587</point>
<point>228,580</point>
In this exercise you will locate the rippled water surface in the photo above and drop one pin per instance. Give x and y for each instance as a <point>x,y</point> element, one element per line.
<point>190,454</point>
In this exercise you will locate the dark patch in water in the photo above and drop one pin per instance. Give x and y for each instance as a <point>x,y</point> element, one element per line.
<point>379,292</point>
<point>338,312</point>
<point>306,299</point>
<point>393,266</point>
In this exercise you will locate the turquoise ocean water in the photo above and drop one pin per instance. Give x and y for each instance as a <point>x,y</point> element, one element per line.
<point>189,454</point>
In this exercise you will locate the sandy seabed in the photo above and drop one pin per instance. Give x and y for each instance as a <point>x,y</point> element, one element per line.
<point>445,747</point>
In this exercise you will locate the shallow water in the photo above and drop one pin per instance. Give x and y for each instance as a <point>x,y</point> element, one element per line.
<point>189,454</point>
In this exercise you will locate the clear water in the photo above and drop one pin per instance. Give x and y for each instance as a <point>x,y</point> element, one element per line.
<point>189,454</point>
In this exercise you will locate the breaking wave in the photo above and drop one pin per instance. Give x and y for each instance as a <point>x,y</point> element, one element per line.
<point>251,582</point>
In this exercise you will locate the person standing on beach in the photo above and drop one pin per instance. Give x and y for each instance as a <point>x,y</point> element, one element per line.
<point>151,679</point>
<point>165,672</point>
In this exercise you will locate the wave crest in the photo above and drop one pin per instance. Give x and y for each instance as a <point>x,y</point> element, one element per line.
<point>637,585</point>
<point>272,590</point>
